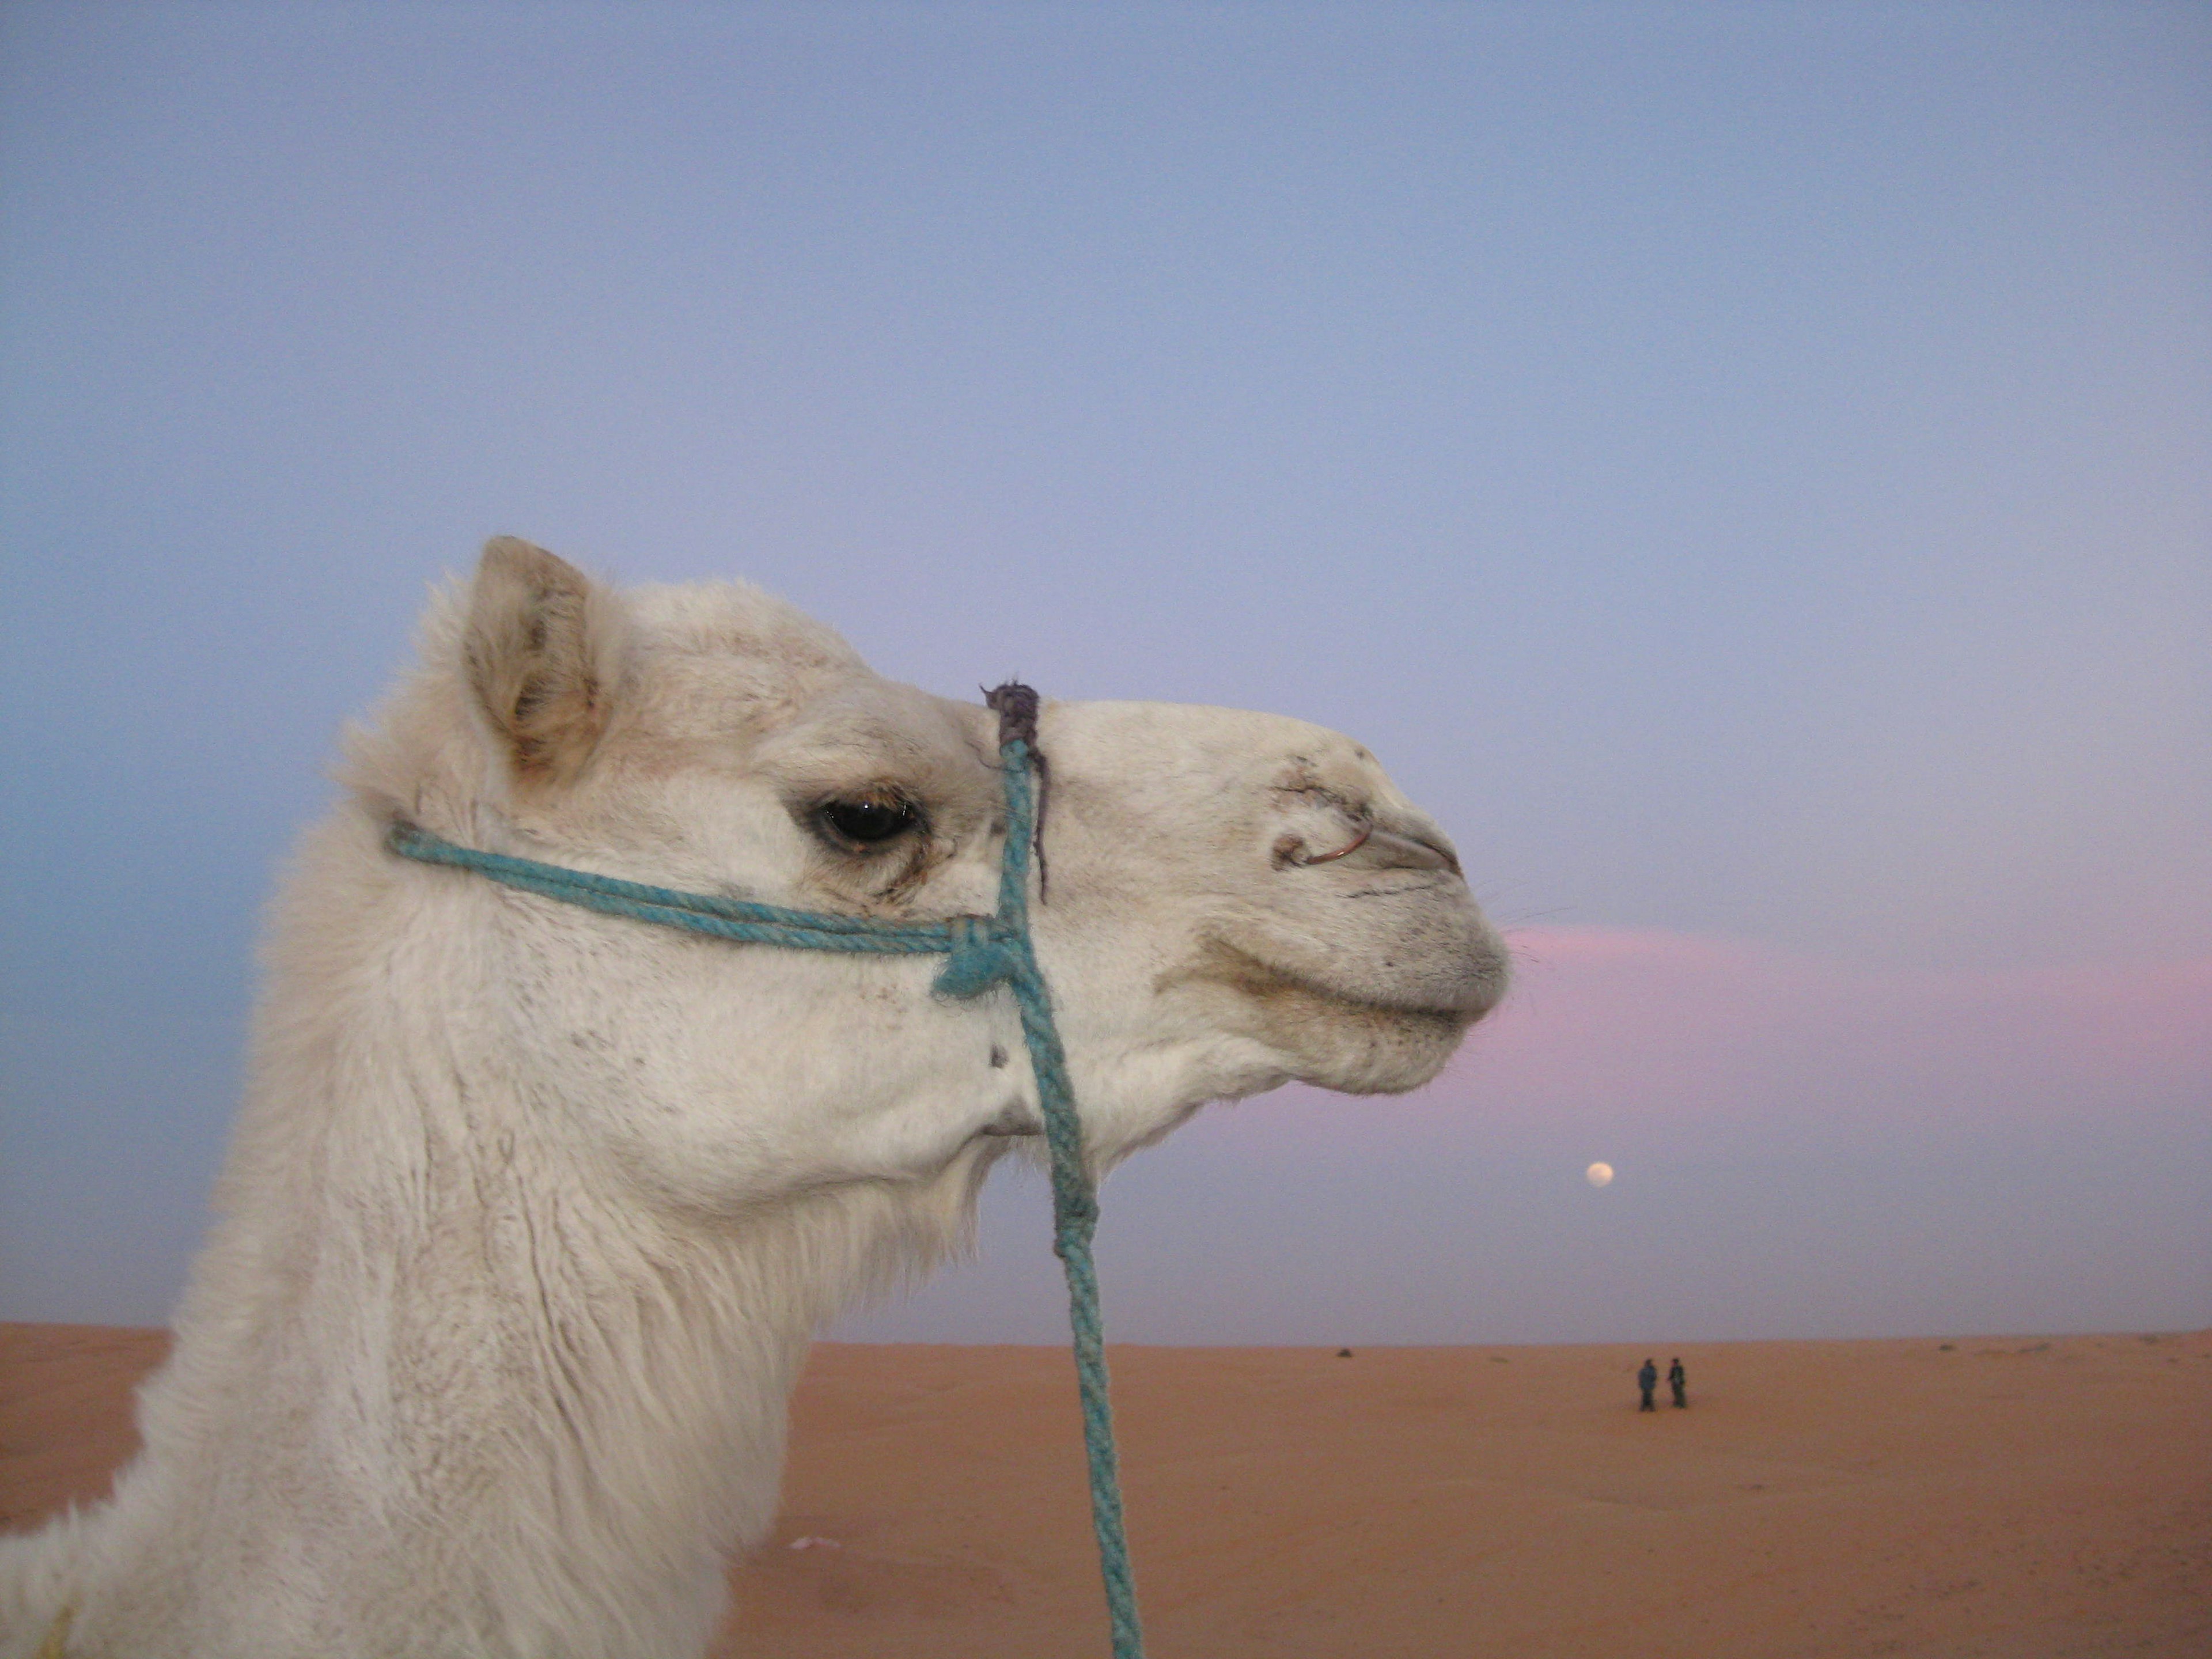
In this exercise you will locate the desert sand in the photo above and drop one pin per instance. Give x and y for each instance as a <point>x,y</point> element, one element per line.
<point>2021,1497</point>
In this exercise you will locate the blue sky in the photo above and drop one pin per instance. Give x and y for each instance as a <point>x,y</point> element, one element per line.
<point>1744,468</point>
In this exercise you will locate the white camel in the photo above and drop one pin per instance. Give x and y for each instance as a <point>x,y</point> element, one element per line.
<point>530,1213</point>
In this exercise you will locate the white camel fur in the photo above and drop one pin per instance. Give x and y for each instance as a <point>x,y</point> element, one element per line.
<point>530,1213</point>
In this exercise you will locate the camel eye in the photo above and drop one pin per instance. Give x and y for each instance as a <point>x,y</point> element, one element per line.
<point>869,822</point>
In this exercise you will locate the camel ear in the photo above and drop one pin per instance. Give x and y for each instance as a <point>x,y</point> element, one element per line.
<point>543,649</point>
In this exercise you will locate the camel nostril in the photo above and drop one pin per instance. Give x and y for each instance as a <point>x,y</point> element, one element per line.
<point>1408,849</point>
<point>1447,859</point>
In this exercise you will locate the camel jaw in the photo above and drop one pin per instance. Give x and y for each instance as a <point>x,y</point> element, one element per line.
<point>1353,1041</point>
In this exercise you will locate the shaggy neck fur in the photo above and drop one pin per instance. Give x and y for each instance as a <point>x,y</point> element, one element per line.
<point>441,1383</point>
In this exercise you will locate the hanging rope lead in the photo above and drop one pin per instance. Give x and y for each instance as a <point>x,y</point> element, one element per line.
<point>1075,1198</point>
<point>981,951</point>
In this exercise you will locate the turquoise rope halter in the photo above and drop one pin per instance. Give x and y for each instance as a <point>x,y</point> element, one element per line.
<point>981,951</point>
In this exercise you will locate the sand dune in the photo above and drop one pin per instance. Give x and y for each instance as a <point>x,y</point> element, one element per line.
<point>2018,1497</point>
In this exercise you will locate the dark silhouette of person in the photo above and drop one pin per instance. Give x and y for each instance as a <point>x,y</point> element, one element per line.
<point>1647,1379</point>
<point>1678,1379</point>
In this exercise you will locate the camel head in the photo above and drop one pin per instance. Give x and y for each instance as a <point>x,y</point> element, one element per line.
<point>1230,900</point>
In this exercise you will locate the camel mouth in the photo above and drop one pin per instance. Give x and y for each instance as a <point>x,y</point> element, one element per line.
<point>1336,1036</point>
<point>1269,983</point>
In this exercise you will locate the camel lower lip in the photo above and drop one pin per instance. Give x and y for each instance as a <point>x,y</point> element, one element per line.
<point>1258,977</point>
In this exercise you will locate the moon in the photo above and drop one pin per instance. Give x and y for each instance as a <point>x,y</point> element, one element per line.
<point>1599,1175</point>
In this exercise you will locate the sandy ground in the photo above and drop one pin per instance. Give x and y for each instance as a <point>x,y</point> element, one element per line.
<point>2015,1496</point>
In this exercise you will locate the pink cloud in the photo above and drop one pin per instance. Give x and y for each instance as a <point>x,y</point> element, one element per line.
<point>1650,1030</point>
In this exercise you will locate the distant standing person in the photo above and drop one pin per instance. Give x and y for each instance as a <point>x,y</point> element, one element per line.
<point>1647,1379</point>
<point>1678,1379</point>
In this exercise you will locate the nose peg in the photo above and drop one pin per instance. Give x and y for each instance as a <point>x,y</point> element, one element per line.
<point>1372,848</point>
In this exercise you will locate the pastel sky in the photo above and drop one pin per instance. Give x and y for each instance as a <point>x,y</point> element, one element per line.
<point>1748,469</point>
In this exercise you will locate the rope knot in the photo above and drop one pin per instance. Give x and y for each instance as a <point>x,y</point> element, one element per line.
<point>1016,705</point>
<point>981,957</point>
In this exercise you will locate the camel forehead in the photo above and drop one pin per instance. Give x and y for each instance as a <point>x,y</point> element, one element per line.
<point>734,619</point>
<point>716,658</point>
<point>1228,745</point>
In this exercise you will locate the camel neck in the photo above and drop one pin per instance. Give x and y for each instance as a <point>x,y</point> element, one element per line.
<point>436,1368</point>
